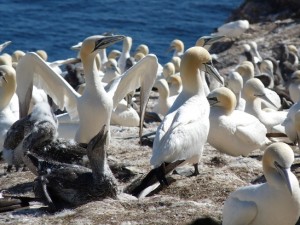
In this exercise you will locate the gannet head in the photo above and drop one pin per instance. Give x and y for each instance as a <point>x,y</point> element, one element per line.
<point>246,70</point>
<point>293,48</point>
<point>266,66</point>
<point>142,49</point>
<point>278,158</point>
<point>222,97</point>
<point>5,59</point>
<point>16,56</point>
<point>208,40</point>
<point>138,56</point>
<point>175,81</point>
<point>114,54</point>
<point>168,69</point>
<point>43,54</point>
<point>199,57</point>
<point>163,88</point>
<point>234,82</point>
<point>177,45</point>
<point>254,88</point>
<point>93,43</point>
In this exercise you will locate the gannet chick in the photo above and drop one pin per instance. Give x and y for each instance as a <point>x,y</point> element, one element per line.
<point>35,130</point>
<point>232,131</point>
<point>178,47</point>
<point>164,100</point>
<point>183,132</point>
<point>254,94</point>
<point>294,86</point>
<point>233,29</point>
<point>4,45</point>
<point>112,71</point>
<point>234,82</point>
<point>275,202</point>
<point>64,185</point>
<point>8,87</point>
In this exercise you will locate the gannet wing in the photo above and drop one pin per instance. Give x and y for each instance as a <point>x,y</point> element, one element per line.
<point>31,70</point>
<point>143,75</point>
<point>236,211</point>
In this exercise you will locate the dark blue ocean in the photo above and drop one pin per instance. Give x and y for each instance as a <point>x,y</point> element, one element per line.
<point>56,25</point>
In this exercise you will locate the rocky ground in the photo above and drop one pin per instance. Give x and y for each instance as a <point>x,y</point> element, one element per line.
<point>187,198</point>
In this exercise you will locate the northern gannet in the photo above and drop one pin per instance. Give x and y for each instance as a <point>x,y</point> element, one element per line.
<point>275,202</point>
<point>64,185</point>
<point>178,47</point>
<point>234,82</point>
<point>254,91</point>
<point>233,29</point>
<point>111,71</point>
<point>95,105</point>
<point>183,132</point>
<point>125,54</point>
<point>232,131</point>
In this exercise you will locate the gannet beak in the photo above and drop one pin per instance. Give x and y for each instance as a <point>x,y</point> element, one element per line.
<point>212,100</point>
<point>107,41</point>
<point>4,45</point>
<point>284,172</point>
<point>264,97</point>
<point>77,46</point>
<point>2,75</point>
<point>209,40</point>
<point>211,70</point>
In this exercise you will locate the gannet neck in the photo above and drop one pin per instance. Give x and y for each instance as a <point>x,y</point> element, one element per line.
<point>192,60</point>
<point>176,61</point>
<point>277,160</point>
<point>90,69</point>
<point>8,85</point>
<point>127,43</point>
<point>163,89</point>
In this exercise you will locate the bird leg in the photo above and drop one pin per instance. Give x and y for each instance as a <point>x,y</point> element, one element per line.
<point>196,172</point>
<point>160,174</point>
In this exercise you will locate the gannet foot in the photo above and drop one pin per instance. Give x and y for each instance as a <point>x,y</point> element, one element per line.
<point>160,175</point>
<point>196,171</point>
<point>9,168</point>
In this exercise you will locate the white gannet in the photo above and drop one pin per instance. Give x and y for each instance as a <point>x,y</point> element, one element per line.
<point>233,29</point>
<point>275,202</point>
<point>164,102</point>
<point>232,131</point>
<point>234,82</point>
<point>254,91</point>
<point>4,45</point>
<point>183,132</point>
<point>94,107</point>
<point>294,86</point>
<point>178,47</point>
<point>8,87</point>
<point>125,54</point>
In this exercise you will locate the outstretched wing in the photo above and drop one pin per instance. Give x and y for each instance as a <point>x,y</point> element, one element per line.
<point>31,70</point>
<point>143,75</point>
